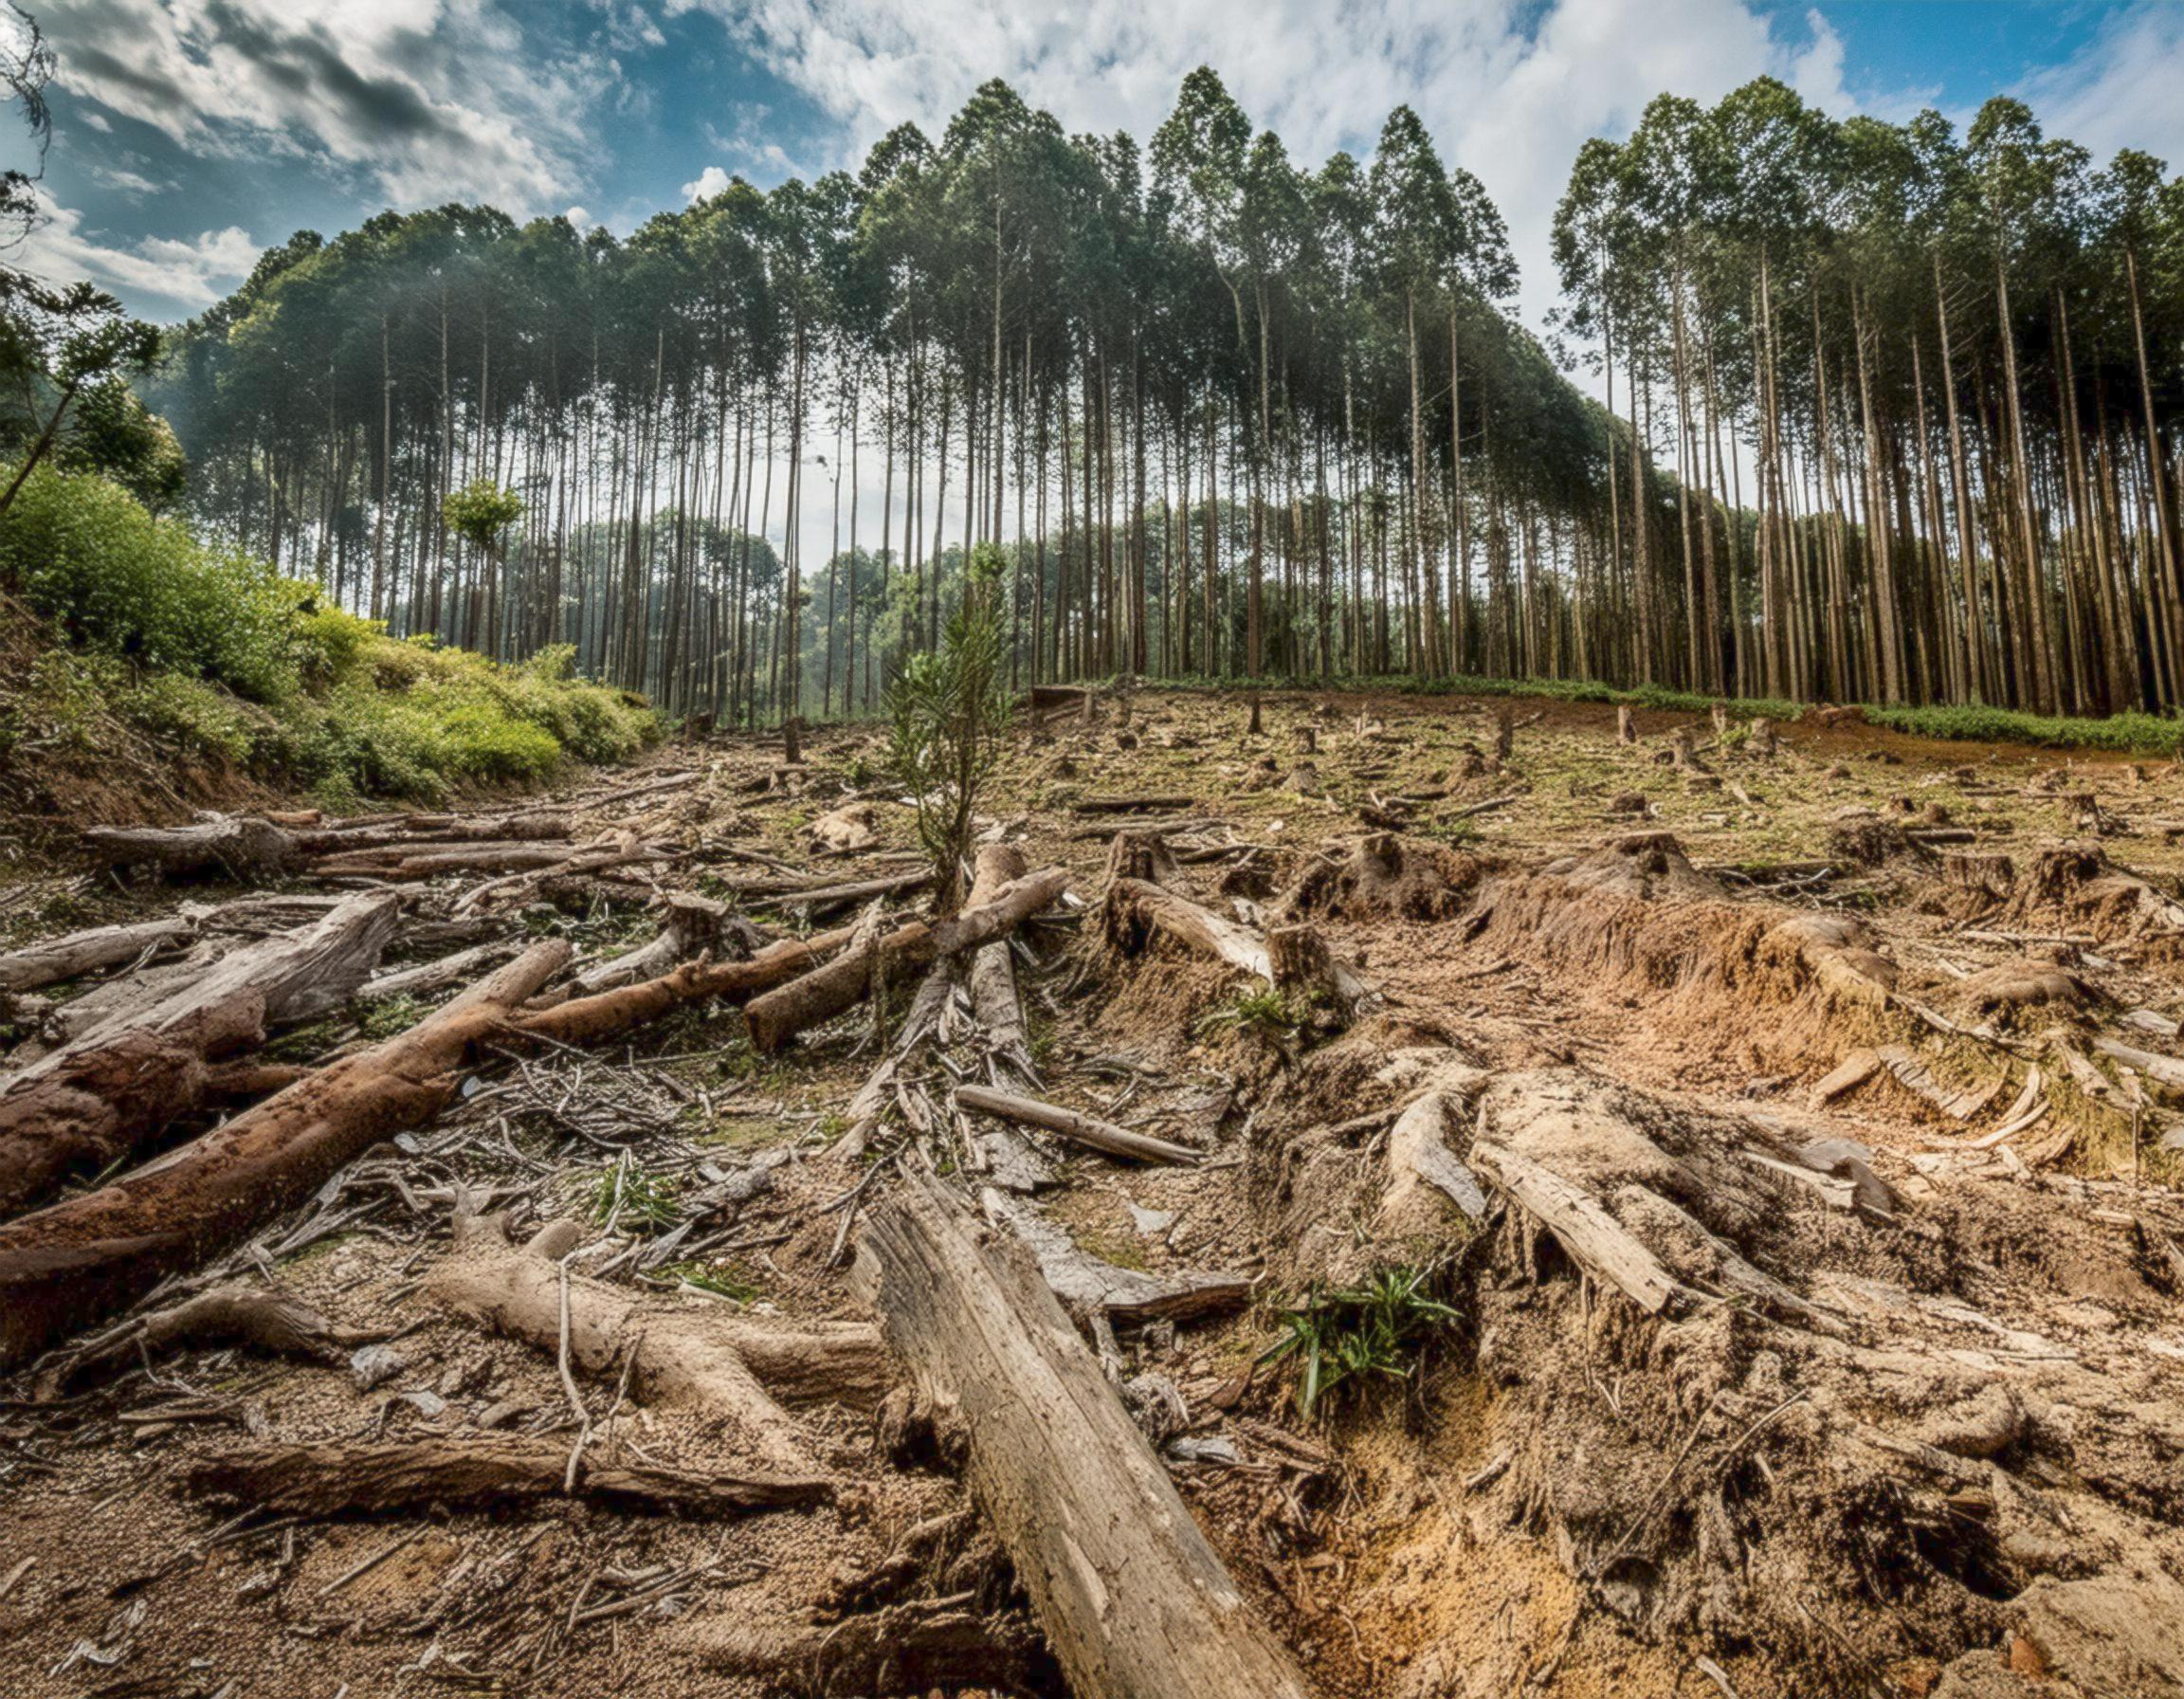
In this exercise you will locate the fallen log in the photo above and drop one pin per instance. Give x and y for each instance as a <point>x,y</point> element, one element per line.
<point>99,1096</point>
<point>77,1261</point>
<point>266,1318</point>
<point>351,1477</point>
<point>1133,1602</point>
<point>1590,1235</point>
<point>1088,1130</point>
<point>695,926</point>
<point>829,991</point>
<point>1135,909</point>
<point>79,953</point>
<point>731,1367</point>
<point>1088,1286</point>
<point>440,971</point>
<point>918,1648</point>
<point>244,849</point>
<point>608,1014</point>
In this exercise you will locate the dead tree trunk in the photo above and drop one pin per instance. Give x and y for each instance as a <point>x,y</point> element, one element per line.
<point>1135,1604</point>
<point>1137,909</point>
<point>1626,726</point>
<point>81,1260</point>
<point>100,1095</point>
<point>826,992</point>
<point>255,850</point>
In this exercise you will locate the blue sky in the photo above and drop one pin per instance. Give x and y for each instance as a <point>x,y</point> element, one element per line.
<point>189,133</point>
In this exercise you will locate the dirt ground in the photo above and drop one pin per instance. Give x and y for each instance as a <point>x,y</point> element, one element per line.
<point>1859,1053</point>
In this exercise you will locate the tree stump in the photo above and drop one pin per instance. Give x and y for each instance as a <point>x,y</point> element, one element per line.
<point>1626,726</point>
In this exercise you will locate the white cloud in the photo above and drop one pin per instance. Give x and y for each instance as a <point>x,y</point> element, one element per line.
<point>2121,90</point>
<point>97,120</point>
<point>127,181</point>
<point>192,274</point>
<point>581,219</point>
<point>426,99</point>
<point>709,182</point>
<point>1507,89</point>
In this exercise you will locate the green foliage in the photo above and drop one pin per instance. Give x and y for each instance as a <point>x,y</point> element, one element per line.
<point>635,1199</point>
<point>2126,734</point>
<point>214,658</point>
<point>480,511</point>
<point>1358,1336</point>
<point>385,1016</point>
<point>948,710</point>
<point>1267,1014</point>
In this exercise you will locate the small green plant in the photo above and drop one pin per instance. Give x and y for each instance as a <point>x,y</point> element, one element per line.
<point>948,710</point>
<point>386,1017</point>
<point>1354,1337</point>
<point>726,1280</point>
<point>1455,833</point>
<point>1269,1015</point>
<point>634,1198</point>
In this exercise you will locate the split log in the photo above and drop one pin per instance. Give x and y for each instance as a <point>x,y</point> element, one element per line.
<point>992,976</point>
<point>832,990</point>
<point>245,849</point>
<point>589,1021</point>
<point>1590,1235</point>
<point>1136,908</point>
<point>1133,1602</point>
<point>81,1260</point>
<point>351,1477</point>
<point>1089,1288</point>
<point>101,1094</point>
<point>1088,1130</point>
<point>733,1368</point>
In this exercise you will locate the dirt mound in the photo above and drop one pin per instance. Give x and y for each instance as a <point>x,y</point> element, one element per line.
<point>2076,888</point>
<point>1739,1390</point>
<point>1384,876</point>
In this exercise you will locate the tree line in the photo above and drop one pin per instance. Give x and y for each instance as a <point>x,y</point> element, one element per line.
<point>1890,415</point>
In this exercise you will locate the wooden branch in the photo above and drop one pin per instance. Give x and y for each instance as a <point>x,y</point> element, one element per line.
<point>589,1021</point>
<point>351,1477</point>
<point>1585,1229</point>
<point>81,1260</point>
<point>1133,1602</point>
<point>1088,1130</point>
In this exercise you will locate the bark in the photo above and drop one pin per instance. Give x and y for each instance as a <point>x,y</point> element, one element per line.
<point>79,953</point>
<point>267,1319</point>
<point>914,1649</point>
<point>81,1260</point>
<point>248,850</point>
<point>695,926</point>
<point>1135,1604</point>
<point>586,1020</point>
<point>352,1477</point>
<point>829,991</point>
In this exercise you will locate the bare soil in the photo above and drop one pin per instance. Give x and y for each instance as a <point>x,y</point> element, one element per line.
<point>1855,1049</point>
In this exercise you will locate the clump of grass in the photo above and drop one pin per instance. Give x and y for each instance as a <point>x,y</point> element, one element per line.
<point>1358,1337</point>
<point>1269,1015</point>
<point>1456,833</point>
<point>726,1280</point>
<point>385,1016</point>
<point>635,1198</point>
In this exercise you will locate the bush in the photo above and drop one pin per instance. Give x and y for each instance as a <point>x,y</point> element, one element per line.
<point>213,658</point>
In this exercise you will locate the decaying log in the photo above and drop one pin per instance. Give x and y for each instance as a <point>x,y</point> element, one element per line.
<point>99,1096</point>
<point>695,925</point>
<point>60,959</point>
<point>77,1261</point>
<point>826,992</point>
<point>1088,1287</point>
<point>608,1014</point>
<point>266,1318</point>
<point>1134,909</point>
<point>239,849</point>
<point>732,1367</point>
<point>1590,1235</point>
<point>1423,1171</point>
<point>915,1649</point>
<point>1133,1600</point>
<point>352,1477</point>
<point>1088,1130</point>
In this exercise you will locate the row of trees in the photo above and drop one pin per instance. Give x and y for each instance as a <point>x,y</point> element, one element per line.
<point>1890,415</point>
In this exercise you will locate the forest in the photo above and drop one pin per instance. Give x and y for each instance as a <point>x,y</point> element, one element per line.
<point>1890,415</point>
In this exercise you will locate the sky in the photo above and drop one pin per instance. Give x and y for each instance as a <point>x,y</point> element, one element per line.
<point>191,134</point>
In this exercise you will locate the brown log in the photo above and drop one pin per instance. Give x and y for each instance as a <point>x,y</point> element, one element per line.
<point>1133,1600</point>
<point>81,1260</point>
<point>238,849</point>
<point>829,991</point>
<point>1088,1130</point>
<point>267,1318</point>
<point>732,1367</point>
<point>108,1090</point>
<point>912,1648</point>
<point>351,1477</point>
<point>588,1021</point>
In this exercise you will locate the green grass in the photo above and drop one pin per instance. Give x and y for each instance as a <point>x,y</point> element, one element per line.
<point>635,1200</point>
<point>1269,1015</point>
<point>1356,1338</point>
<point>726,1279</point>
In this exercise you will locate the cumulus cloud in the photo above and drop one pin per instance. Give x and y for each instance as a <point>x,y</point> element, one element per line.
<point>1508,88</point>
<point>192,274</point>
<point>708,183</point>
<point>425,99</point>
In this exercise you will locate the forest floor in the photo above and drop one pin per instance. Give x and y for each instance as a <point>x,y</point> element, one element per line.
<point>1782,1140</point>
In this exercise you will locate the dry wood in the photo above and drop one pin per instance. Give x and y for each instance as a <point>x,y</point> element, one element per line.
<point>353,1477</point>
<point>588,1021</point>
<point>1585,1229</point>
<point>1088,1287</point>
<point>1425,1170</point>
<point>915,1649</point>
<point>267,1318</point>
<point>79,953</point>
<point>821,994</point>
<point>1131,805</point>
<point>1135,909</point>
<point>99,1096</point>
<point>1133,1602</point>
<point>1088,1130</point>
<point>81,1260</point>
<point>695,925</point>
<point>238,849</point>
<point>732,1367</point>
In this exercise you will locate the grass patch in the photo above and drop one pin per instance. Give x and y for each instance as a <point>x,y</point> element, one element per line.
<point>636,1200</point>
<point>1269,1015</point>
<point>1349,1340</point>
<point>724,1279</point>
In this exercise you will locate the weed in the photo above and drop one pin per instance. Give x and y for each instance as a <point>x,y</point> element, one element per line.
<point>1358,1336</point>
<point>727,1279</point>
<point>386,1017</point>
<point>632,1197</point>
<point>1269,1015</point>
